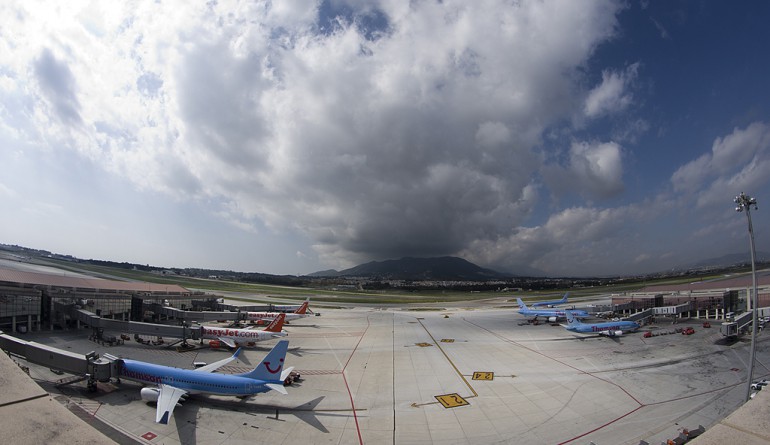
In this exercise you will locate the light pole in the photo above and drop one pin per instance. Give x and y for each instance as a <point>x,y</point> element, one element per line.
<point>745,202</point>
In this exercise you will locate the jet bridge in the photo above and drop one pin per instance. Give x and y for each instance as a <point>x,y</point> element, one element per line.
<point>99,325</point>
<point>200,316</point>
<point>89,366</point>
<point>639,316</point>
<point>738,325</point>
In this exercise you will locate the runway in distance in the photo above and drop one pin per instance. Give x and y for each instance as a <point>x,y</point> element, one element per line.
<point>233,338</point>
<point>551,303</point>
<point>173,384</point>
<point>550,314</point>
<point>270,316</point>
<point>609,328</point>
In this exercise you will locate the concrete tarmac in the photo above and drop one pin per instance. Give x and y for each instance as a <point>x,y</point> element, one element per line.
<point>469,375</point>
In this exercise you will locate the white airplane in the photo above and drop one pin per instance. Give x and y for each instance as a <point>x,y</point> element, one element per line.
<point>269,316</point>
<point>284,307</point>
<point>173,384</point>
<point>233,337</point>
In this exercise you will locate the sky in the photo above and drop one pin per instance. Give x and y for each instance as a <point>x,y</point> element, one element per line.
<point>563,138</point>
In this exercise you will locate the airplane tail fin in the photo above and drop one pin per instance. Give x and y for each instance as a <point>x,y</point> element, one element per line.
<point>277,324</point>
<point>521,303</point>
<point>564,298</point>
<point>279,386</point>
<point>571,319</point>
<point>302,310</point>
<point>269,369</point>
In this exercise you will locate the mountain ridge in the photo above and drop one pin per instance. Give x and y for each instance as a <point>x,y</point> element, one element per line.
<point>412,268</point>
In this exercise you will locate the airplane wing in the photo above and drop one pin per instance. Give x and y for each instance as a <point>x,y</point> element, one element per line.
<point>211,367</point>
<point>168,397</point>
<point>227,341</point>
<point>277,387</point>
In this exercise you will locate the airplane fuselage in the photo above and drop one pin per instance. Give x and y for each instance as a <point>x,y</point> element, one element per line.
<point>271,315</point>
<point>549,313</point>
<point>238,335</point>
<point>190,380</point>
<point>603,327</point>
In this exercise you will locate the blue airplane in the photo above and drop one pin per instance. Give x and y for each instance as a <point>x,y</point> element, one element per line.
<point>175,383</point>
<point>609,328</point>
<point>551,303</point>
<point>550,314</point>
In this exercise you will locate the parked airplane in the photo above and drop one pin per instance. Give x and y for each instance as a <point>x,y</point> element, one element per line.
<point>285,307</point>
<point>269,316</point>
<point>175,383</point>
<point>550,314</point>
<point>608,328</point>
<point>233,337</point>
<point>551,303</point>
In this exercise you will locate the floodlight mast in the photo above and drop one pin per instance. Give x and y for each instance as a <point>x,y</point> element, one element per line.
<point>745,202</point>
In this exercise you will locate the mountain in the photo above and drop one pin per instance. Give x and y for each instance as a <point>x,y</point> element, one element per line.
<point>436,269</point>
<point>730,260</point>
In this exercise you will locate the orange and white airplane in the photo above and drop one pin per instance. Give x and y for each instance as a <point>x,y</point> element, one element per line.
<point>269,316</point>
<point>232,337</point>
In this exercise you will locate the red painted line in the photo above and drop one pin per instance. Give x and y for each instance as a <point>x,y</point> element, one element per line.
<point>602,426</point>
<point>345,379</point>
<point>352,405</point>
<point>97,409</point>
<point>359,342</point>
<point>641,405</point>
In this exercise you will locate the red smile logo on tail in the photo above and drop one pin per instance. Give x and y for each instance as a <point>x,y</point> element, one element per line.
<point>267,365</point>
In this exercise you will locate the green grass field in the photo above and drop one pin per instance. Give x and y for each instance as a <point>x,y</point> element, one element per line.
<point>252,291</point>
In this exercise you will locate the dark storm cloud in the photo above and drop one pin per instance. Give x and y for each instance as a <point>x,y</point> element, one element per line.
<point>420,145</point>
<point>58,86</point>
<point>219,101</point>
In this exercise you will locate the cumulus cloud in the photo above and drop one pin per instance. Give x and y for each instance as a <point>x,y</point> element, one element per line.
<point>593,170</point>
<point>613,94</point>
<point>376,129</point>
<point>58,86</point>
<point>736,162</point>
<point>575,241</point>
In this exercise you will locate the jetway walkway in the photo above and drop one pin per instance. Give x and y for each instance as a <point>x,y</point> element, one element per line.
<point>744,321</point>
<point>100,325</point>
<point>639,316</point>
<point>738,325</point>
<point>189,316</point>
<point>226,312</point>
<point>88,366</point>
<point>659,311</point>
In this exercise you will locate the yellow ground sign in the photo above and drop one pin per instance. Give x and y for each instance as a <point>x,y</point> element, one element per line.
<point>447,340</point>
<point>452,400</point>
<point>483,376</point>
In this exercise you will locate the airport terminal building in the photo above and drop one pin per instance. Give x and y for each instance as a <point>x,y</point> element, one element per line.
<point>716,299</point>
<point>31,301</point>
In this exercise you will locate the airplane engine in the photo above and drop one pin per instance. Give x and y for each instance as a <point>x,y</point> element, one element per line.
<point>617,333</point>
<point>552,319</point>
<point>215,344</point>
<point>149,394</point>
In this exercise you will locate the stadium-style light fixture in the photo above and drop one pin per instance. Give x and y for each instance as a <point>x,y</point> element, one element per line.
<point>746,202</point>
